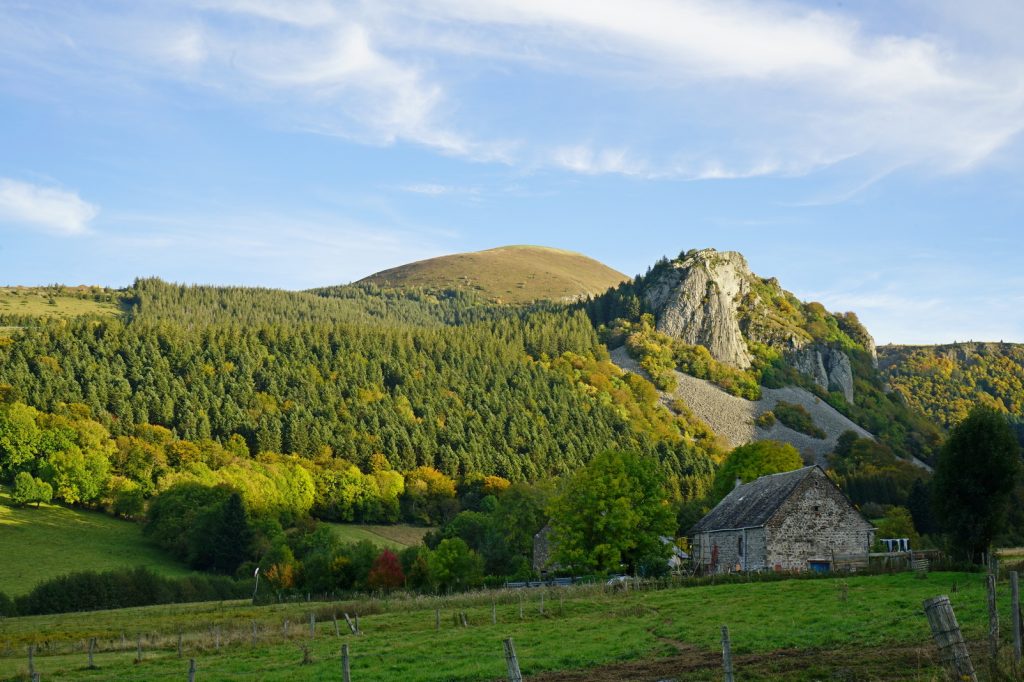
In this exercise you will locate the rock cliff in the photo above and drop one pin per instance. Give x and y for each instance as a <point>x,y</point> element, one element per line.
<point>712,299</point>
<point>697,301</point>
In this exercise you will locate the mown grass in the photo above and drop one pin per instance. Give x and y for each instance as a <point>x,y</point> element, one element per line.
<point>38,544</point>
<point>396,537</point>
<point>43,302</point>
<point>854,628</point>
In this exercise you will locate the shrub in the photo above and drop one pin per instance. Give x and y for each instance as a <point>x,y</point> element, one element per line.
<point>90,590</point>
<point>766,420</point>
<point>798,418</point>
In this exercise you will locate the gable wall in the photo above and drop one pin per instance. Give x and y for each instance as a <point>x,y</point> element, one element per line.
<point>815,523</point>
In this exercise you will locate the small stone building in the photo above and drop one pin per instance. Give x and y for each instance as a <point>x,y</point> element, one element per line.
<point>793,521</point>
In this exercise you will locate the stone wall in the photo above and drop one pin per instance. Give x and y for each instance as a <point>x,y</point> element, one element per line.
<point>728,557</point>
<point>815,523</point>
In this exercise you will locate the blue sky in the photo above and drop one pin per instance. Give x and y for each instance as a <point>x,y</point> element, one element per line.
<point>867,154</point>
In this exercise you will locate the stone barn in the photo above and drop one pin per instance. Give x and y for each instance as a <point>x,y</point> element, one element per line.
<point>793,521</point>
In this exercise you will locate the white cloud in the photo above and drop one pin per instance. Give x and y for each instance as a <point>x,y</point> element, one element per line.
<point>47,208</point>
<point>589,161</point>
<point>694,89</point>
<point>782,88</point>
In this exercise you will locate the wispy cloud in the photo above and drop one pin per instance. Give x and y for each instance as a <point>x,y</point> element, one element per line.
<point>694,89</point>
<point>50,209</point>
<point>435,189</point>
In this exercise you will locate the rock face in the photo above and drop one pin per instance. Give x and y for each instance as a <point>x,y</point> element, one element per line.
<point>712,299</point>
<point>830,368</point>
<point>698,299</point>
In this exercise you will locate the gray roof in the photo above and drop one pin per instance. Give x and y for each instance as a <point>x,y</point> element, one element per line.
<point>752,504</point>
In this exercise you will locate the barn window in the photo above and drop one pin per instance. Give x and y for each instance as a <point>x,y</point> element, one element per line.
<point>739,545</point>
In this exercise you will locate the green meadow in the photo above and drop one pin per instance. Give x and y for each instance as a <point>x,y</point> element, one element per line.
<point>44,302</point>
<point>38,544</point>
<point>857,628</point>
<point>394,537</point>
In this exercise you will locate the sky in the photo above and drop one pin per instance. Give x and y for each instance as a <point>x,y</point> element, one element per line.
<point>868,154</point>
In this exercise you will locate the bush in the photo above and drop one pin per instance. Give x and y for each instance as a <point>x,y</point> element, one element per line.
<point>90,590</point>
<point>766,420</point>
<point>7,606</point>
<point>798,418</point>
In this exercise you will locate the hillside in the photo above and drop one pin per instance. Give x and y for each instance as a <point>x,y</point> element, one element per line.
<point>38,544</point>
<point>508,274</point>
<point>734,418</point>
<point>705,314</point>
<point>945,381</point>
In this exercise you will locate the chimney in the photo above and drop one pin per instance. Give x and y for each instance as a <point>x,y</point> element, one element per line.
<point>739,482</point>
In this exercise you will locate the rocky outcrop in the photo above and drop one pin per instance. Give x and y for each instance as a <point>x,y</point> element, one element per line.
<point>828,367</point>
<point>697,301</point>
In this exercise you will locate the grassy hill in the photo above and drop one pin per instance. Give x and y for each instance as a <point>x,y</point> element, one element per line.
<point>856,628</point>
<point>58,301</point>
<point>509,274</point>
<point>38,544</point>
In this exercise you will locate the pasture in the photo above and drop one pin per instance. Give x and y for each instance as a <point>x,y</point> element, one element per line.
<point>855,628</point>
<point>56,302</point>
<point>38,544</point>
<point>396,537</point>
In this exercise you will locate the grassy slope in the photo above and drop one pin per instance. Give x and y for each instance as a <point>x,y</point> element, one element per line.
<point>37,544</point>
<point>878,632</point>
<point>393,537</point>
<point>35,302</point>
<point>510,274</point>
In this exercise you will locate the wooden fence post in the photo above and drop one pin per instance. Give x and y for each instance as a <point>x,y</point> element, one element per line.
<point>92,648</point>
<point>494,612</point>
<point>312,625</point>
<point>520,606</point>
<point>138,649</point>
<point>358,630</point>
<point>542,602</point>
<point>1015,615</point>
<point>346,672</point>
<point>513,663</point>
<point>437,619</point>
<point>191,670</point>
<point>993,625</point>
<point>727,655</point>
<point>334,617</point>
<point>946,633</point>
<point>351,625</point>
<point>254,633</point>
<point>31,660</point>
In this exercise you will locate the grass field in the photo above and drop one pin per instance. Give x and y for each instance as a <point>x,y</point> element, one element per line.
<point>874,629</point>
<point>393,537</point>
<point>36,544</point>
<point>42,302</point>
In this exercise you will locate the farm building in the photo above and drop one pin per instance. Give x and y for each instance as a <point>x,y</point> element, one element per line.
<point>793,521</point>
